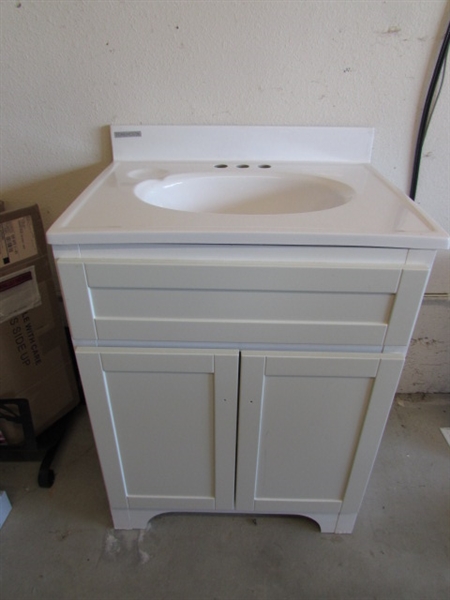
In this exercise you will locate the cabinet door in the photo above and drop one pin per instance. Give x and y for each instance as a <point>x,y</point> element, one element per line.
<point>303,418</point>
<point>165,425</point>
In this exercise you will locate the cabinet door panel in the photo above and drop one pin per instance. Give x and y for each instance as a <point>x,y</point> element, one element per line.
<point>300,420</point>
<point>164,424</point>
<point>308,436</point>
<point>164,407</point>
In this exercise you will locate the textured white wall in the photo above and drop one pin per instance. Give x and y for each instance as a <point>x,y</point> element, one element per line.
<point>71,67</point>
<point>427,368</point>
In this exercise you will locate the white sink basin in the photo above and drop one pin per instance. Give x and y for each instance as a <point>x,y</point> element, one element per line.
<point>245,194</point>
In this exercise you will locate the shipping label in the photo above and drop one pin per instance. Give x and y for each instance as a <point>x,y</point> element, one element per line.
<point>17,240</point>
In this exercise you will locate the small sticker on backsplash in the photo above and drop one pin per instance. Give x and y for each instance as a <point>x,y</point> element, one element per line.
<point>127,134</point>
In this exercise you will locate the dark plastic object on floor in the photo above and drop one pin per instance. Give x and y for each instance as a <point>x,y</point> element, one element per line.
<point>33,448</point>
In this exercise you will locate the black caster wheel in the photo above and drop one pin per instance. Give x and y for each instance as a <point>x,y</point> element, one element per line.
<point>46,478</point>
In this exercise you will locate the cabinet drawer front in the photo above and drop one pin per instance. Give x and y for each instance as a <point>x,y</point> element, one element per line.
<point>278,303</point>
<point>236,332</point>
<point>273,277</point>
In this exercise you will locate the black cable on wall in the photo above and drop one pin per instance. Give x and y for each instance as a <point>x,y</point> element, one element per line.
<point>428,110</point>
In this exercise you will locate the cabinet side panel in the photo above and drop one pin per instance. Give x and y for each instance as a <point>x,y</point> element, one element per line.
<point>406,307</point>
<point>371,434</point>
<point>77,299</point>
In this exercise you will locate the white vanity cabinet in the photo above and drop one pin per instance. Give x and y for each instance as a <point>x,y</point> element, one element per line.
<point>241,300</point>
<point>246,379</point>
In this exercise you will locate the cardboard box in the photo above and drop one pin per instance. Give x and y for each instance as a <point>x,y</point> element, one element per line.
<point>35,362</point>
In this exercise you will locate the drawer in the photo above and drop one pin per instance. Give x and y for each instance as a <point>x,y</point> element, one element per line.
<point>285,303</point>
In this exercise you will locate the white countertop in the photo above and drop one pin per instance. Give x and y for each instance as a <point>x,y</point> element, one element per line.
<point>379,215</point>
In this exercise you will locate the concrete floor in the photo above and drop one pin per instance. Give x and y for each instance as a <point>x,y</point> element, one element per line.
<point>59,543</point>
